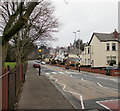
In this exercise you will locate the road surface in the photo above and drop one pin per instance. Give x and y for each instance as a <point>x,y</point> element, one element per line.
<point>85,90</point>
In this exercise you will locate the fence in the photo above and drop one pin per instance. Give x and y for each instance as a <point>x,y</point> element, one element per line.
<point>12,80</point>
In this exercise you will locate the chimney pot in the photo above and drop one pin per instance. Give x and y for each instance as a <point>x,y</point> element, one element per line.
<point>116,34</point>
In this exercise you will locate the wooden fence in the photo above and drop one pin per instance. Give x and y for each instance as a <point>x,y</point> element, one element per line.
<point>12,80</point>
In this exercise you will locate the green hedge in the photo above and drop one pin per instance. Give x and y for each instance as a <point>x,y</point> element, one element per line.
<point>11,64</point>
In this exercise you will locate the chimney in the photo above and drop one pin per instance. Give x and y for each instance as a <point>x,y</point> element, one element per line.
<point>116,34</point>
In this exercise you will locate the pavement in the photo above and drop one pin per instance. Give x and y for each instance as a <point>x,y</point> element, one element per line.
<point>39,93</point>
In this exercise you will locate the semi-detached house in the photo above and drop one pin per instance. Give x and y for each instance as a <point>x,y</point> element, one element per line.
<point>101,49</point>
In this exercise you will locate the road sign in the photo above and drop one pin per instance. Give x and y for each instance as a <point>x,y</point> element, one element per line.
<point>40,50</point>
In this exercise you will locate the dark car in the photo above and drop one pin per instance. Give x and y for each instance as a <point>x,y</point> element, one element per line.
<point>111,68</point>
<point>108,69</point>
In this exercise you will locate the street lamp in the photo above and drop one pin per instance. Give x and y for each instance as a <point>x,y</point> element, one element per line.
<point>79,40</point>
<point>75,35</point>
<point>75,47</point>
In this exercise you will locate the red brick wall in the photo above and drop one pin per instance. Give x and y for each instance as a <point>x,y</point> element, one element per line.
<point>113,72</point>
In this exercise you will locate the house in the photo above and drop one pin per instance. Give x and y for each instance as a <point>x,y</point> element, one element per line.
<point>58,54</point>
<point>102,50</point>
<point>73,52</point>
<point>85,55</point>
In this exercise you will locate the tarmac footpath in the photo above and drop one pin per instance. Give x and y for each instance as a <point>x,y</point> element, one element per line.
<point>39,93</point>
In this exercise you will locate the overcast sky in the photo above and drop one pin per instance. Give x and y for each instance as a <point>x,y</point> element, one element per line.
<point>88,17</point>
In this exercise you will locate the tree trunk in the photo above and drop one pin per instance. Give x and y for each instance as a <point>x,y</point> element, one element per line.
<point>4,51</point>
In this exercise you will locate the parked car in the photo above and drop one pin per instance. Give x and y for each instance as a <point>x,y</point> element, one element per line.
<point>43,63</point>
<point>37,61</point>
<point>111,67</point>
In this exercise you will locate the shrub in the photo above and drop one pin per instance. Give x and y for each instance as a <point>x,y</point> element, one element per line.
<point>119,64</point>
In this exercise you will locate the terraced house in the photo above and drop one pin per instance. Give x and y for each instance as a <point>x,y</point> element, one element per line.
<point>102,50</point>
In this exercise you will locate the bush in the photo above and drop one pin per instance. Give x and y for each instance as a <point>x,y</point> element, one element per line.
<point>53,61</point>
<point>62,63</point>
<point>112,62</point>
<point>72,65</point>
<point>119,64</point>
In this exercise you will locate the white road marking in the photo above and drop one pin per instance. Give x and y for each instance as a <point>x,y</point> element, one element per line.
<point>54,72</point>
<point>82,79</point>
<point>103,106</point>
<point>64,86</point>
<point>67,72</point>
<point>71,75</point>
<point>81,98</point>
<point>109,100</point>
<point>99,102</point>
<point>99,84</point>
<point>106,87</point>
<point>61,72</point>
<point>108,79</point>
<point>82,104</point>
<point>56,80</point>
<point>47,73</point>
<point>51,77</point>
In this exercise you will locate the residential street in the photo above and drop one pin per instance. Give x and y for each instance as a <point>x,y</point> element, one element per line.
<point>84,90</point>
<point>60,55</point>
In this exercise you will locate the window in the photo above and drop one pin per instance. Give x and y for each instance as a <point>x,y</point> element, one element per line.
<point>85,51</point>
<point>113,46</point>
<point>107,46</point>
<point>88,50</point>
<point>88,61</point>
<point>85,61</point>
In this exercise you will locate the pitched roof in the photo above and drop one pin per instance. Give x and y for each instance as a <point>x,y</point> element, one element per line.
<point>105,37</point>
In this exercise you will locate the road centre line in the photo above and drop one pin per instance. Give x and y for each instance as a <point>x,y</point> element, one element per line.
<point>53,72</point>
<point>47,73</point>
<point>77,77</point>
<point>105,87</point>
<point>61,72</point>
<point>107,79</point>
<point>99,84</point>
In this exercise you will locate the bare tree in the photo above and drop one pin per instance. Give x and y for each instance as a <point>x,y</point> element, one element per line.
<point>15,16</point>
<point>39,25</point>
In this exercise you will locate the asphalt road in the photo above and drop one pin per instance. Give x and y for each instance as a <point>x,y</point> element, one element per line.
<point>82,89</point>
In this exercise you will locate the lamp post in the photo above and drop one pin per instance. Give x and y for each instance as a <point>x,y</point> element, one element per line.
<point>79,40</point>
<point>79,49</point>
<point>75,36</point>
<point>75,47</point>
